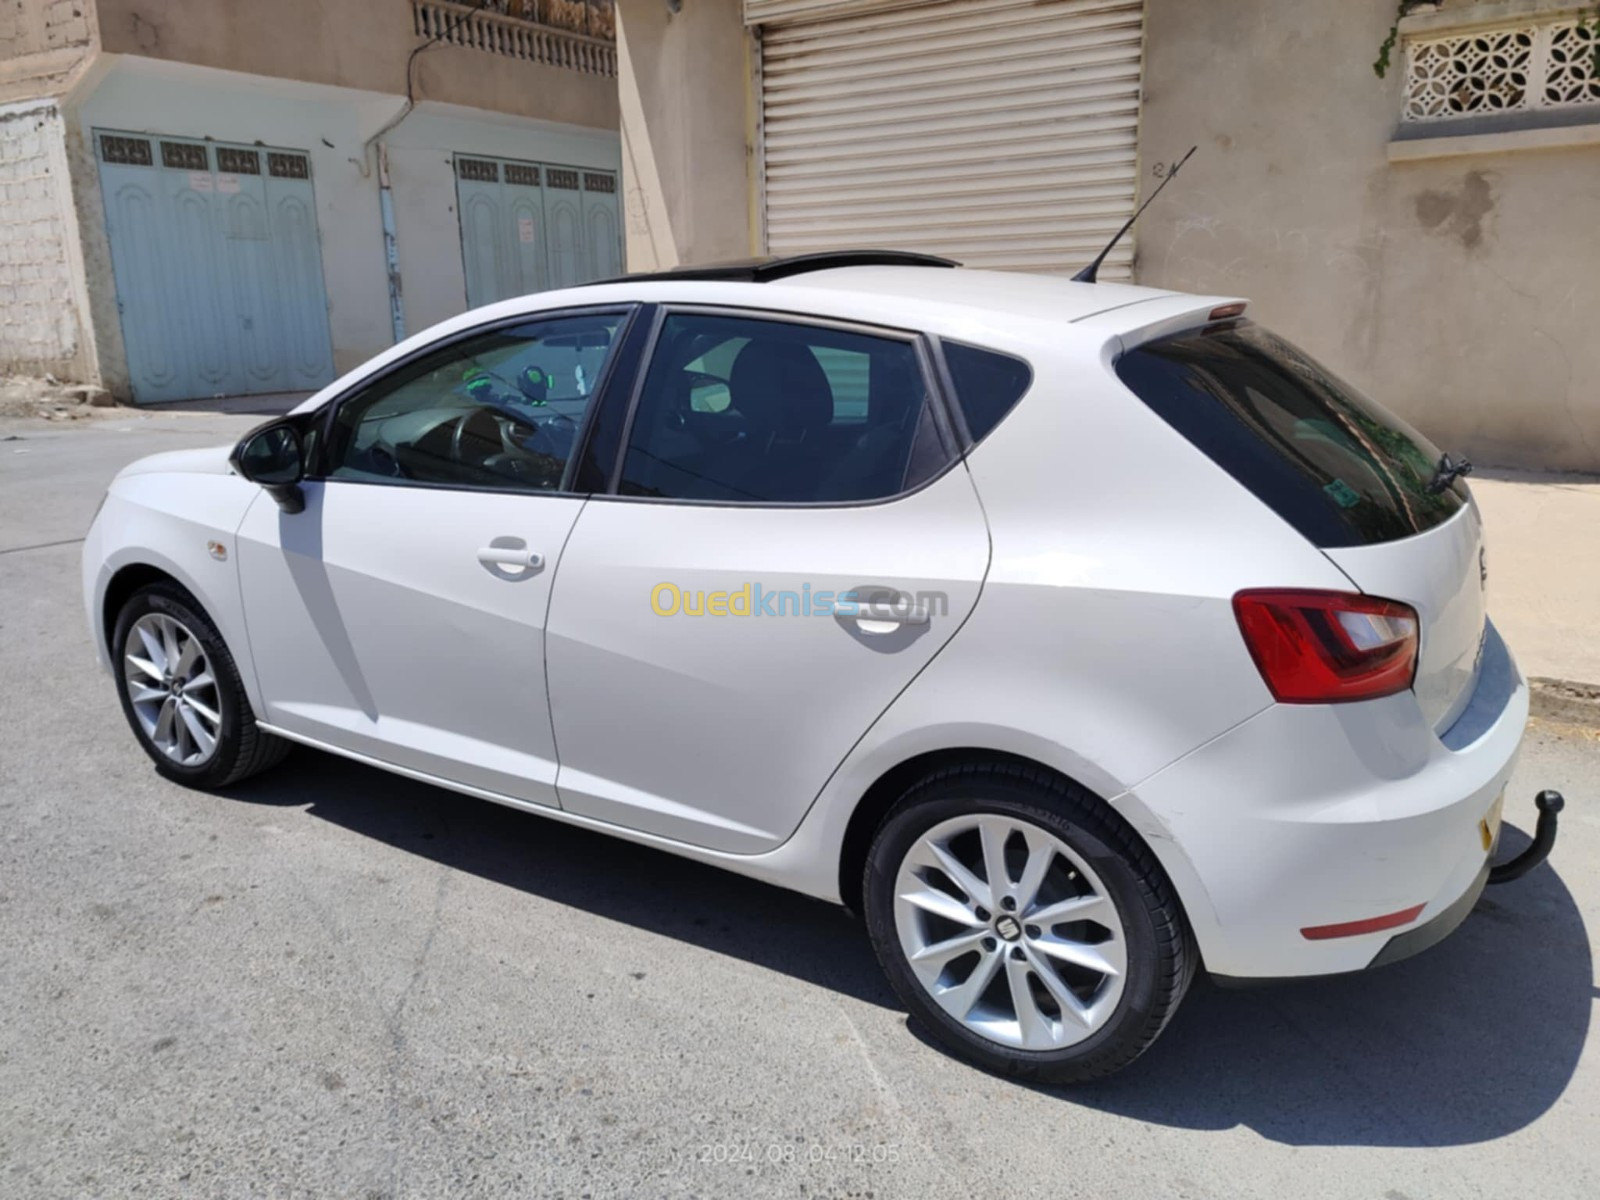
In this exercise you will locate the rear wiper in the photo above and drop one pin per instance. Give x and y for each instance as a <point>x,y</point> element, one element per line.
<point>1446,473</point>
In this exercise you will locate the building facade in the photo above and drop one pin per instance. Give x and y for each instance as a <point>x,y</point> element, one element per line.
<point>215,197</point>
<point>1430,235</point>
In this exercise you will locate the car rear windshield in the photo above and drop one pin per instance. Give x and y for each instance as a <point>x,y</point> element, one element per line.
<point>1339,468</point>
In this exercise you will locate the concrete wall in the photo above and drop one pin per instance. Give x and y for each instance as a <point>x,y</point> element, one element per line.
<point>683,83</point>
<point>332,124</point>
<point>361,44</point>
<point>43,306</point>
<point>42,44</point>
<point>1462,291</point>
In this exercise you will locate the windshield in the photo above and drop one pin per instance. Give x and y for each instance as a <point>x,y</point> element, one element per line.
<point>1339,468</point>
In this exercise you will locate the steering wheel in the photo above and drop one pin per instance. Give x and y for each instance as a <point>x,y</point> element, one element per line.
<point>470,424</point>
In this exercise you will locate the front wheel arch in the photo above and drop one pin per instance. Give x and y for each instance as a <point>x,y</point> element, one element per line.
<point>120,589</point>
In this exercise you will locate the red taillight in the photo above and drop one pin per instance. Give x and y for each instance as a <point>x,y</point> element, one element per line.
<point>1324,647</point>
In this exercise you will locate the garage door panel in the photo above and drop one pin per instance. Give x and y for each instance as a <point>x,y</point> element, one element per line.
<point>1109,132</point>
<point>1019,89</point>
<point>527,226</point>
<point>215,299</point>
<point>961,57</point>
<point>948,19</point>
<point>997,132</point>
<point>201,290</point>
<point>912,187</point>
<point>944,117</point>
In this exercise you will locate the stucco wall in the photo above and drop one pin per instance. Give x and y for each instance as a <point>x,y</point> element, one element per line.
<point>42,302</point>
<point>683,87</point>
<point>361,44</point>
<point>1460,291</point>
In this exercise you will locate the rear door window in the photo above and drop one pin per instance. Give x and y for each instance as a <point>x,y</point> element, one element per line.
<point>748,410</point>
<point>1339,468</point>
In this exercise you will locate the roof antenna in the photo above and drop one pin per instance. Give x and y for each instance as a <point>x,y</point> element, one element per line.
<point>1091,273</point>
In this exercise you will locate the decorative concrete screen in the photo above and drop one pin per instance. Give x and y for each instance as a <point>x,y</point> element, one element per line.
<point>1523,68</point>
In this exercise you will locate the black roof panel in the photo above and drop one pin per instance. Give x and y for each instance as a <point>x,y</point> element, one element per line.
<point>765,270</point>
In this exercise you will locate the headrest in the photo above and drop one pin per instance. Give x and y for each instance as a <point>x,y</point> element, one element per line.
<point>780,387</point>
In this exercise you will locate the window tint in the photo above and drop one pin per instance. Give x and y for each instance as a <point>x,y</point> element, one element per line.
<point>1336,466</point>
<point>501,410</point>
<point>768,411</point>
<point>988,385</point>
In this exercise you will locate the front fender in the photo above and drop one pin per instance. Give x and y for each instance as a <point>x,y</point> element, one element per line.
<point>170,523</point>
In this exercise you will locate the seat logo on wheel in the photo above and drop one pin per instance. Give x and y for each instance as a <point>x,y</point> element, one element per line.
<point>1008,928</point>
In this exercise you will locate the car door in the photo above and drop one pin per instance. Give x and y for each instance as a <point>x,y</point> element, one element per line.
<point>790,542</point>
<point>401,614</point>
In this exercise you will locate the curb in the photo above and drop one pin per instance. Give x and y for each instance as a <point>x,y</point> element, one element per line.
<point>1563,700</point>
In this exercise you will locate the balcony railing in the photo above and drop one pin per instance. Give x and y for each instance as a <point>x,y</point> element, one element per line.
<point>579,36</point>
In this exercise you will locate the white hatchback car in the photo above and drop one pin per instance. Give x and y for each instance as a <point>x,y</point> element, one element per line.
<point>1079,635</point>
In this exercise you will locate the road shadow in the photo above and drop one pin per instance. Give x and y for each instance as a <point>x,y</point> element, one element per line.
<point>649,889</point>
<point>1466,1043</point>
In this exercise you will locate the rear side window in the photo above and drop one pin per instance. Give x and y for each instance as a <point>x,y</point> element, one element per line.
<point>988,385</point>
<point>761,411</point>
<point>1339,468</point>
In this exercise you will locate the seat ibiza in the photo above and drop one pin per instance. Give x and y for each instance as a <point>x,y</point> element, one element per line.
<point>1079,636</point>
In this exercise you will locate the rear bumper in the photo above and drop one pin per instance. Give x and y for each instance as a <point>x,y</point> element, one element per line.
<point>1402,945</point>
<point>1312,816</point>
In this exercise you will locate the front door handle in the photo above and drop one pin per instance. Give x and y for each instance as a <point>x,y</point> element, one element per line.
<point>503,555</point>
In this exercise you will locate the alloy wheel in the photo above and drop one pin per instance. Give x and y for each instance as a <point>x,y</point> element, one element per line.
<point>1010,931</point>
<point>173,689</point>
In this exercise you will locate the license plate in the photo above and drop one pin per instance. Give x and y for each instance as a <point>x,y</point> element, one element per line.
<point>1489,827</point>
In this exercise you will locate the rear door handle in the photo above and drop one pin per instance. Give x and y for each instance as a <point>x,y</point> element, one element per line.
<point>901,609</point>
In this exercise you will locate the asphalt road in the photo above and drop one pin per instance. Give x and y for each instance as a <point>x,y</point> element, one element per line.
<point>334,982</point>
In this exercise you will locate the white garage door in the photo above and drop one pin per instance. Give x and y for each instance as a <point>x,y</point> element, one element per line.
<point>1002,133</point>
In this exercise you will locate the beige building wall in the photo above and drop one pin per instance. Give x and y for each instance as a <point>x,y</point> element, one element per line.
<point>684,85</point>
<point>1460,291</point>
<point>359,44</point>
<point>42,44</point>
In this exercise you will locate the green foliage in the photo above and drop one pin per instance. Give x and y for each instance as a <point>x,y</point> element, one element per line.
<point>1381,67</point>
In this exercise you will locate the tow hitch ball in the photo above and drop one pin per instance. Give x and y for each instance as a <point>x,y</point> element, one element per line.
<point>1549,803</point>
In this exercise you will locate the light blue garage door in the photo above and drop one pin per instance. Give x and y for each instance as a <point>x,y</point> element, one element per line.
<point>218,267</point>
<point>526,227</point>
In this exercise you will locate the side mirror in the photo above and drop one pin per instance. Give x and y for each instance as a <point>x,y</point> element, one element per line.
<point>273,457</point>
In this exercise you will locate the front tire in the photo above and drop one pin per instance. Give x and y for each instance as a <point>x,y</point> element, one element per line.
<point>181,692</point>
<point>1024,924</point>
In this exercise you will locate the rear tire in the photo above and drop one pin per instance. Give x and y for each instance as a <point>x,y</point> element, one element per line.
<point>181,692</point>
<point>1070,968</point>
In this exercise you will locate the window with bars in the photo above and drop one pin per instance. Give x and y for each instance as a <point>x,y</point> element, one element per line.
<point>238,162</point>
<point>568,179</point>
<point>288,166</point>
<point>1527,67</point>
<point>128,151</point>
<point>478,169</point>
<point>184,156</point>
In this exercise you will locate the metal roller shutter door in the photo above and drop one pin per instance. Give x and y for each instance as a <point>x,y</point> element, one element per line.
<point>1003,133</point>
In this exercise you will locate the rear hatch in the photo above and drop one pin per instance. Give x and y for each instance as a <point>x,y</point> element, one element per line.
<point>1357,481</point>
